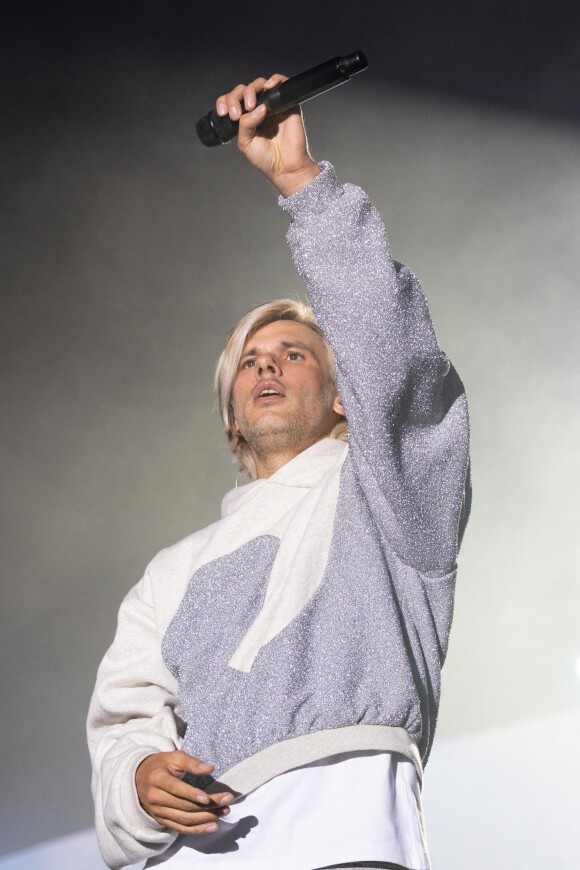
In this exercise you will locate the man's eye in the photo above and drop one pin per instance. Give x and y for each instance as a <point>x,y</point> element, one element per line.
<point>294,355</point>
<point>248,363</point>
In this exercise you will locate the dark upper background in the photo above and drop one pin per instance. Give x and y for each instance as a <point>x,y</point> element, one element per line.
<point>522,54</point>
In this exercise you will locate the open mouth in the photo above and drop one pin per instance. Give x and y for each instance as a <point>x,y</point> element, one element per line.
<point>267,391</point>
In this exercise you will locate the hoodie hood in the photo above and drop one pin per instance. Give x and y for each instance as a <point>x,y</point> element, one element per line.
<point>302,472</point>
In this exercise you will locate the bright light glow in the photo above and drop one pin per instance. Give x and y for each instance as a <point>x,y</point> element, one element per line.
<point>578,667</point>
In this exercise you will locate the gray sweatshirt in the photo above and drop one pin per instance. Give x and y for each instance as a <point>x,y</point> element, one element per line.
<point>314,617</point>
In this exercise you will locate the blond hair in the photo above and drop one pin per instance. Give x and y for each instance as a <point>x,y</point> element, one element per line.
<point>228,363</point>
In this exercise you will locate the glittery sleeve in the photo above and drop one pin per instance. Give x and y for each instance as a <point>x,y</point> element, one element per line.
<point>405,404</point>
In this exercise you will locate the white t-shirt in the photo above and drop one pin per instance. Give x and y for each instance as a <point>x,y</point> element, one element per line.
<point>358,806</point>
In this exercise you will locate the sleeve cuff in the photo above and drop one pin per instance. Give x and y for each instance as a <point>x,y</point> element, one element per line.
<point>134,813</point>
<point>314,197</point>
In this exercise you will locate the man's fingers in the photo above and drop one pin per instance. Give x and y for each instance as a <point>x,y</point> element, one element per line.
<point>185,816</point>
<point>257,86</point>
<point>157,796</point>
<point>163,781</point>
<point>189,823</point>
<point>163,802</point>
<point>168,778</point>
<point>222,798</point>
<point>231,102</point>
<point>245,97</point>
<point>164,771</point>
<point>275,80</point>
<point>176,792</point>
<point>250,121</point>
<point>251,93</point>
<point>207,828</point>
<point>180,763</point>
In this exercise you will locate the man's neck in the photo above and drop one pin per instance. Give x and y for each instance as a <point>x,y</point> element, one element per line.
<point>269,465</point>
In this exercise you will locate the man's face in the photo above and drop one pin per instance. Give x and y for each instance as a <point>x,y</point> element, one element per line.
<point>282,397</point>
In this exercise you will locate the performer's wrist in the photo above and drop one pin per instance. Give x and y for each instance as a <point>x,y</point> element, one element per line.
<point>288,183</point>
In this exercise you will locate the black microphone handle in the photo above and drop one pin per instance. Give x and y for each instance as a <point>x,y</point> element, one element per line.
<point>213,129</point>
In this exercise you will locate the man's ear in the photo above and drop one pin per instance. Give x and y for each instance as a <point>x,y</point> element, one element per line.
<point>338,407</point>
<point>235,427</point>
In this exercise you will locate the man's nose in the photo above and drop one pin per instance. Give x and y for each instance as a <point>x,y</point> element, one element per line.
<point>268,364</point>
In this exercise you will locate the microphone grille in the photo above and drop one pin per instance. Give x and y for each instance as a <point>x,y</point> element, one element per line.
<point>212,129</point>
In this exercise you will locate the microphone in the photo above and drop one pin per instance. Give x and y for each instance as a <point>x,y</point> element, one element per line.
<point>212,129</point>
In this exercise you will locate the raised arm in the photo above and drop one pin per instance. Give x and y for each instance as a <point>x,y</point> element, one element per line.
<point>405,404</point>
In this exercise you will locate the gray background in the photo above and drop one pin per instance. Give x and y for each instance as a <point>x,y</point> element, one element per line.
<point>128,250</point>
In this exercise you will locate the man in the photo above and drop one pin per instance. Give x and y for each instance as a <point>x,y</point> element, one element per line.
<point>271,694</point>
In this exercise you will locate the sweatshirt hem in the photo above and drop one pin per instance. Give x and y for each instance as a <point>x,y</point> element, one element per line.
<point>279,758</point>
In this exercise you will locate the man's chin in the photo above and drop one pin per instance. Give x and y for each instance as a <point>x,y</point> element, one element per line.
<point>268,429</point>
<point>274,433</point>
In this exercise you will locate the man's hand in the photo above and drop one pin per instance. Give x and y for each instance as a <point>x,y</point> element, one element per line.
<point>276,145</point>
<point>174,803</point>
